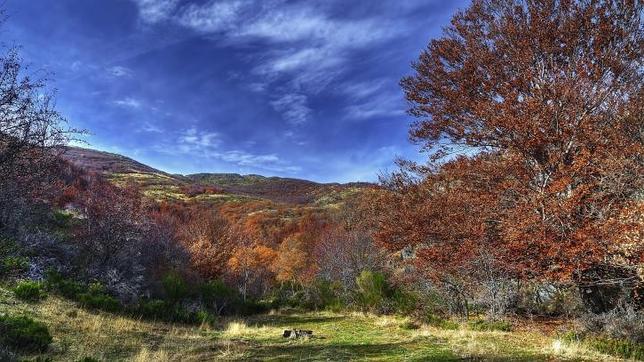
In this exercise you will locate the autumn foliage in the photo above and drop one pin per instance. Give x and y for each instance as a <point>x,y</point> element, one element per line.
<point>532,113</point>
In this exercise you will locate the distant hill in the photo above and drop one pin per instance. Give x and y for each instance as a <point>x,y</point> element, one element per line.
<point>105,162</point>
<point>161,185</point>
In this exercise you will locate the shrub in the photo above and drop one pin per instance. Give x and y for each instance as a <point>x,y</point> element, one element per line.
<point>371,290</point>
<point>404,302</point>
<point>24,334</point>
<point>617,347</point>
<point>12,265</point>
<point>153,309</point>
<point>97,298</point>
<point>203,316</point>
<point>623,322</point>
<point>483,325</point>
<point>163,310</point>
<point>218,296</point>
<point>29,290</point>
<point>65,287</point>
<point>612,346</point>
<point>175,287</point>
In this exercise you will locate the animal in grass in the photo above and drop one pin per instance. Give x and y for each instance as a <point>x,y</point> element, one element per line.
<point>297,333</point>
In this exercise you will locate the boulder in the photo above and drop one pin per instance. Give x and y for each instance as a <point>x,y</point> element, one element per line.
<point>297,333</point>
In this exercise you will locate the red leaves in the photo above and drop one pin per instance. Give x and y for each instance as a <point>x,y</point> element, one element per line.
<point>554,89</point>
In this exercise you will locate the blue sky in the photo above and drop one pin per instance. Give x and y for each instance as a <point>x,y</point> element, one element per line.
<point>305,89</point>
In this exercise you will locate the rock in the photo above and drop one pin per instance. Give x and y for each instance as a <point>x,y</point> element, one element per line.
<point>297,333</point>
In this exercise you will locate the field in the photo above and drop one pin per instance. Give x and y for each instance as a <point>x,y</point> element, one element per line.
<point>79,333</point>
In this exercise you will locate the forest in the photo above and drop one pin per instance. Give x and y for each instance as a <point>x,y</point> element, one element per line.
<point>525,223</point>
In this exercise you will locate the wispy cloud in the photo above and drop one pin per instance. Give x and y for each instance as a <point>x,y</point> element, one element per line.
<point>211,17</point>
<point>194,141</point>
<point>270,162</point>
<point>120,71</point>
<point>208,145</point>
<point>379,106</point>
<point>128,102</point>
<point>371,99</point>
<point>293,107</point>
<point>153,11</point>
<point>309,47</point>
<point>150,128</point>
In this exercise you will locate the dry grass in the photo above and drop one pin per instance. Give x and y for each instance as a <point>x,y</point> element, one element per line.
<point>80,333</point>
<point>518,345</point>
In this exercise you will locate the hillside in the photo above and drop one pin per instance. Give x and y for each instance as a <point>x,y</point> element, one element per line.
<point>219,186</point>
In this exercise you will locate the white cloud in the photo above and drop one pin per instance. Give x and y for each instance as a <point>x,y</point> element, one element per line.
<point>212,17</point>
<point>150,128</point>
<point>377,107</point>
<point>119,71</point>
<point>293,107</point>
<point>207,145</point>
<point>372,99</point>
<point>154,11</point>
<point>360,90</point>
<point>194,141</point>
<point>300,23</point>
<point>128,102</point>
<point>308,48</point>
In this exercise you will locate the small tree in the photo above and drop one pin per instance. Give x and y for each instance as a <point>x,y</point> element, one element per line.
<point>31,135</point>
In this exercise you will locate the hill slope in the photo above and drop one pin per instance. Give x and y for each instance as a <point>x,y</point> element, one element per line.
<point>223,186</point>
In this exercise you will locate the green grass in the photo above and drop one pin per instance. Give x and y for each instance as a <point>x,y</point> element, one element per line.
<point>79,333</point>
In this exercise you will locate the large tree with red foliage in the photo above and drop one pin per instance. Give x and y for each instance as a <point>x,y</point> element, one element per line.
<point>545,99</point>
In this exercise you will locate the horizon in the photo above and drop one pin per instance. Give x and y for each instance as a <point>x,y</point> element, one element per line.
<point>218,173</point>
<point>229,87</point>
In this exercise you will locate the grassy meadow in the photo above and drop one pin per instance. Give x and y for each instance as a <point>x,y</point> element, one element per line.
<point>80,333</point>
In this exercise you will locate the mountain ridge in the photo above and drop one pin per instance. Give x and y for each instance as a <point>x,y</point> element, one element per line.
<point>123,169</point>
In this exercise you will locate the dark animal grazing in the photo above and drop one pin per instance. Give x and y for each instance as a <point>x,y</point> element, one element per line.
<point>297,333</point>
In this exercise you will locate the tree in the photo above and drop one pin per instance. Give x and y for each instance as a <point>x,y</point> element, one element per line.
<point>553,90</point>
<point>250,268</point>
<point>111,237</point>
<point>31,133</point>
<point>205,235</point>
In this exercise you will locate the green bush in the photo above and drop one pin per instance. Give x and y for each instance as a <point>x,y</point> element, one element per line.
<point>29,290</point>
<point>483,325</point>
<point>203,316</point>
<point>612,346</point>
<point>404,302</point>
<point>65,287</point>
<point>13,265</point>
<point>91,296</point>
<point>170,312</point>
<point>153,309</point>
<point>97,298</point>
<point>219,297</point>
<point>175,287</point>
<point>371,290</point>
<point>24,334</point>
<point>617,347</point>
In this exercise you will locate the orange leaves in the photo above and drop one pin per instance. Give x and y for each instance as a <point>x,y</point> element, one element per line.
<point>552,93</point>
